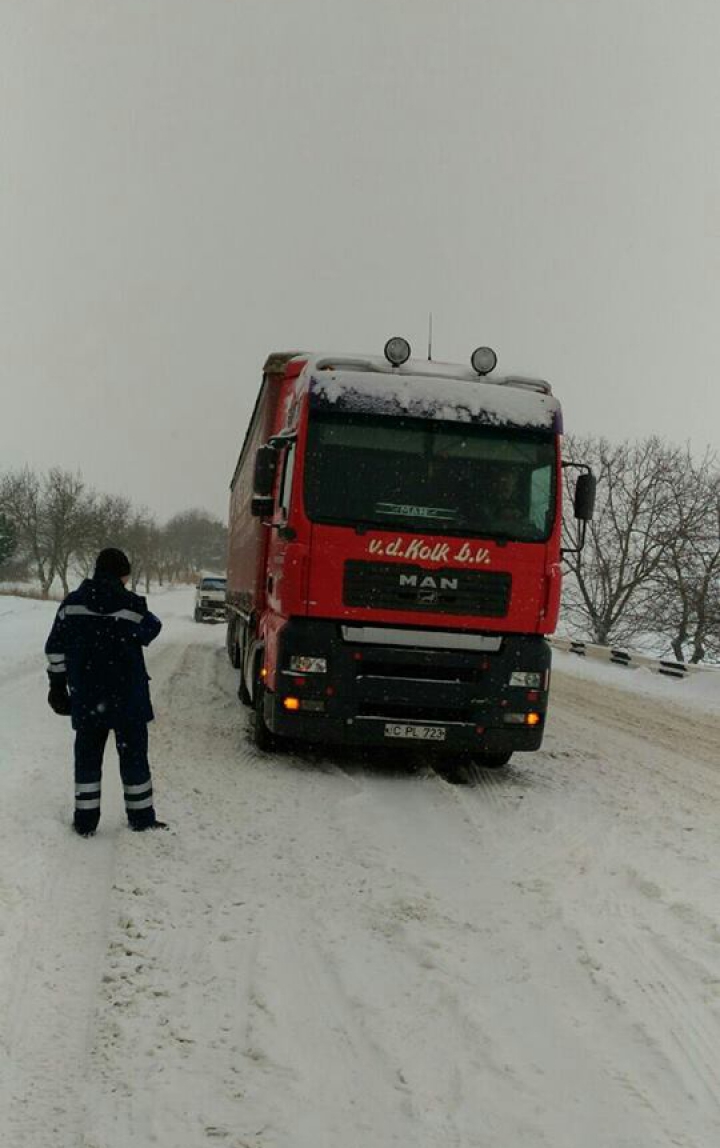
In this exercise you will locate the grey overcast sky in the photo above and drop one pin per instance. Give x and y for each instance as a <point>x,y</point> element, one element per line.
<point>188,184</point>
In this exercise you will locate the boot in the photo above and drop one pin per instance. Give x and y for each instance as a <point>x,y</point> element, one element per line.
<point>145,819</point>
<point>85,822</point>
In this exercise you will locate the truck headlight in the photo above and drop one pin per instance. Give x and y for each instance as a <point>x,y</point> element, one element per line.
<point>527,679</point>
<point>307,664</point>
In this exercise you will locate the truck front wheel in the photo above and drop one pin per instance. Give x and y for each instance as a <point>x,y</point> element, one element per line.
<point>263,738</point>
<point>243,692</point>
<point>492,760</point>
<point>240,648</point>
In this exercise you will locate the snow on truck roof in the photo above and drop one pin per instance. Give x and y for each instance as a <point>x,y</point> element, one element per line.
<point>445,391</point>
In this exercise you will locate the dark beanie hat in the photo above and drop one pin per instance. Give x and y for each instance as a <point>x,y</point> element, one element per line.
<point>111,563</point>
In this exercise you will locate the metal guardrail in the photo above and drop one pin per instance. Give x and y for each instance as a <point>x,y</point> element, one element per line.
<point>631,659</point>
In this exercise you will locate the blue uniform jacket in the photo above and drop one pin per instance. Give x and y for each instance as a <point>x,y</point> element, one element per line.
<point>97,642</point>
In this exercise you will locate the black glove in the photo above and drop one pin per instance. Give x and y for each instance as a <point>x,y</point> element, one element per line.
<point>59,698</point>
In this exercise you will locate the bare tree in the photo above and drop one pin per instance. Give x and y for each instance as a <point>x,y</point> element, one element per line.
<point>60,524</point>
<point>685,604</point>
<point>610,581</point>
<point>194,541</point>
<point>140,543</point>
<point>69,515</point>
<point>8,539</point>
<point>22,499</point>
<point>108,523</point>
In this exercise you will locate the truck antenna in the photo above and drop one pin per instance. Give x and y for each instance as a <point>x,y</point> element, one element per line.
<point>430,337</point>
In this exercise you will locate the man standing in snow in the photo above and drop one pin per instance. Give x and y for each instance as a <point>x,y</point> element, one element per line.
<point>97,675</point>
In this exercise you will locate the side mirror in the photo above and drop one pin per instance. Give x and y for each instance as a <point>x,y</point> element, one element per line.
<point>262,505</point>
<point>584,502</point>
<point>266,461</point>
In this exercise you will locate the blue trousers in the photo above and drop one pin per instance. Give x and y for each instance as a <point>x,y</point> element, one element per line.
<point>132,748</point>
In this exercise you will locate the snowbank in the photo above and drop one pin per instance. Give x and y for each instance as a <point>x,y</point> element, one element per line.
<point>699,690</point>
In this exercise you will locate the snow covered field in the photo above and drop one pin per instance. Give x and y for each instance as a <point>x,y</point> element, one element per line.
<point>323,954</point>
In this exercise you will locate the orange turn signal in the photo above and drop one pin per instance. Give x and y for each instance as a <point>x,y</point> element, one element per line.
<point>532,719</point>
<point>291,704</point>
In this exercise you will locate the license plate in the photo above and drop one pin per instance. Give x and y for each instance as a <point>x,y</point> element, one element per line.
<point>416,732</point>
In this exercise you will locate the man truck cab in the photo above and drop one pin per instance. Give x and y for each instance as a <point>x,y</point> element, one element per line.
<point>394,561</point>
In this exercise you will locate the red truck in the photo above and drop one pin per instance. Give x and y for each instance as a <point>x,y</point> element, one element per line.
<point>394,553</point>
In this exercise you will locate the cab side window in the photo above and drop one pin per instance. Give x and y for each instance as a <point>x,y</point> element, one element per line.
<point>286,481</point>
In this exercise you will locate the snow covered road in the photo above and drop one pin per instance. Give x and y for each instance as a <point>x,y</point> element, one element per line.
<point>323,953</point>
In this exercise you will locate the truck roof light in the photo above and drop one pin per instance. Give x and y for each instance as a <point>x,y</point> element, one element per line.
<point>483,360</point>
<point>397,351</point>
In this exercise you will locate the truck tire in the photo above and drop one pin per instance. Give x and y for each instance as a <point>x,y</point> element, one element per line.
<point>455,771</point>
<point>243,691</point>
<point>240,646</point>
<point>492,760</point>
<point>263,738</point>
<point>198,615</point>
<point>233,648</point>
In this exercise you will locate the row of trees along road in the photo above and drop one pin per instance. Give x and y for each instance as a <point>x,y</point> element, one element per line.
<point>650,570</point>
<point>53,524</point>
<point>649,573</point>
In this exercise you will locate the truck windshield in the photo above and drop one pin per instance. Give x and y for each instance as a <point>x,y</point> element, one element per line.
<point>213,584</point>
<point>447,478</point>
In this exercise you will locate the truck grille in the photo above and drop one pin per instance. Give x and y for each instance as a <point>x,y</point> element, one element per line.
<point>427,671</point>
<point>396,711</point>
<point>394,586</point>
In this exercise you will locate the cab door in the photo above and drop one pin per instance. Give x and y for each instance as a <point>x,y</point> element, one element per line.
<point>279,565</point>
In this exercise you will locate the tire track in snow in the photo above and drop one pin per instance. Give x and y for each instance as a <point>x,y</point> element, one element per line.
<point>57,958</point>
<point>568,840</point>
<point>332,902</point>
<point>47,1026</point>
<point>55,889</point>
<point>680,738</point>
<point>669,1008</point>
<point>677,1020</point>
<point>356,1039</point>
<point>249,1065</point>
<point>170,1053</point>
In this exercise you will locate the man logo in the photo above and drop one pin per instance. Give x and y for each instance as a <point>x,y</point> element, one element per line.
<point>428,582</point>
<point>428,597</point>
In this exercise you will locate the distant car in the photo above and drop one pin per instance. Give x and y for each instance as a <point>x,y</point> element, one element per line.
<point>210,600</point>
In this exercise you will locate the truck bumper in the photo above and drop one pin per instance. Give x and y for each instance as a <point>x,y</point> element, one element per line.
<point>446,698</point>
<point>212,613</point>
